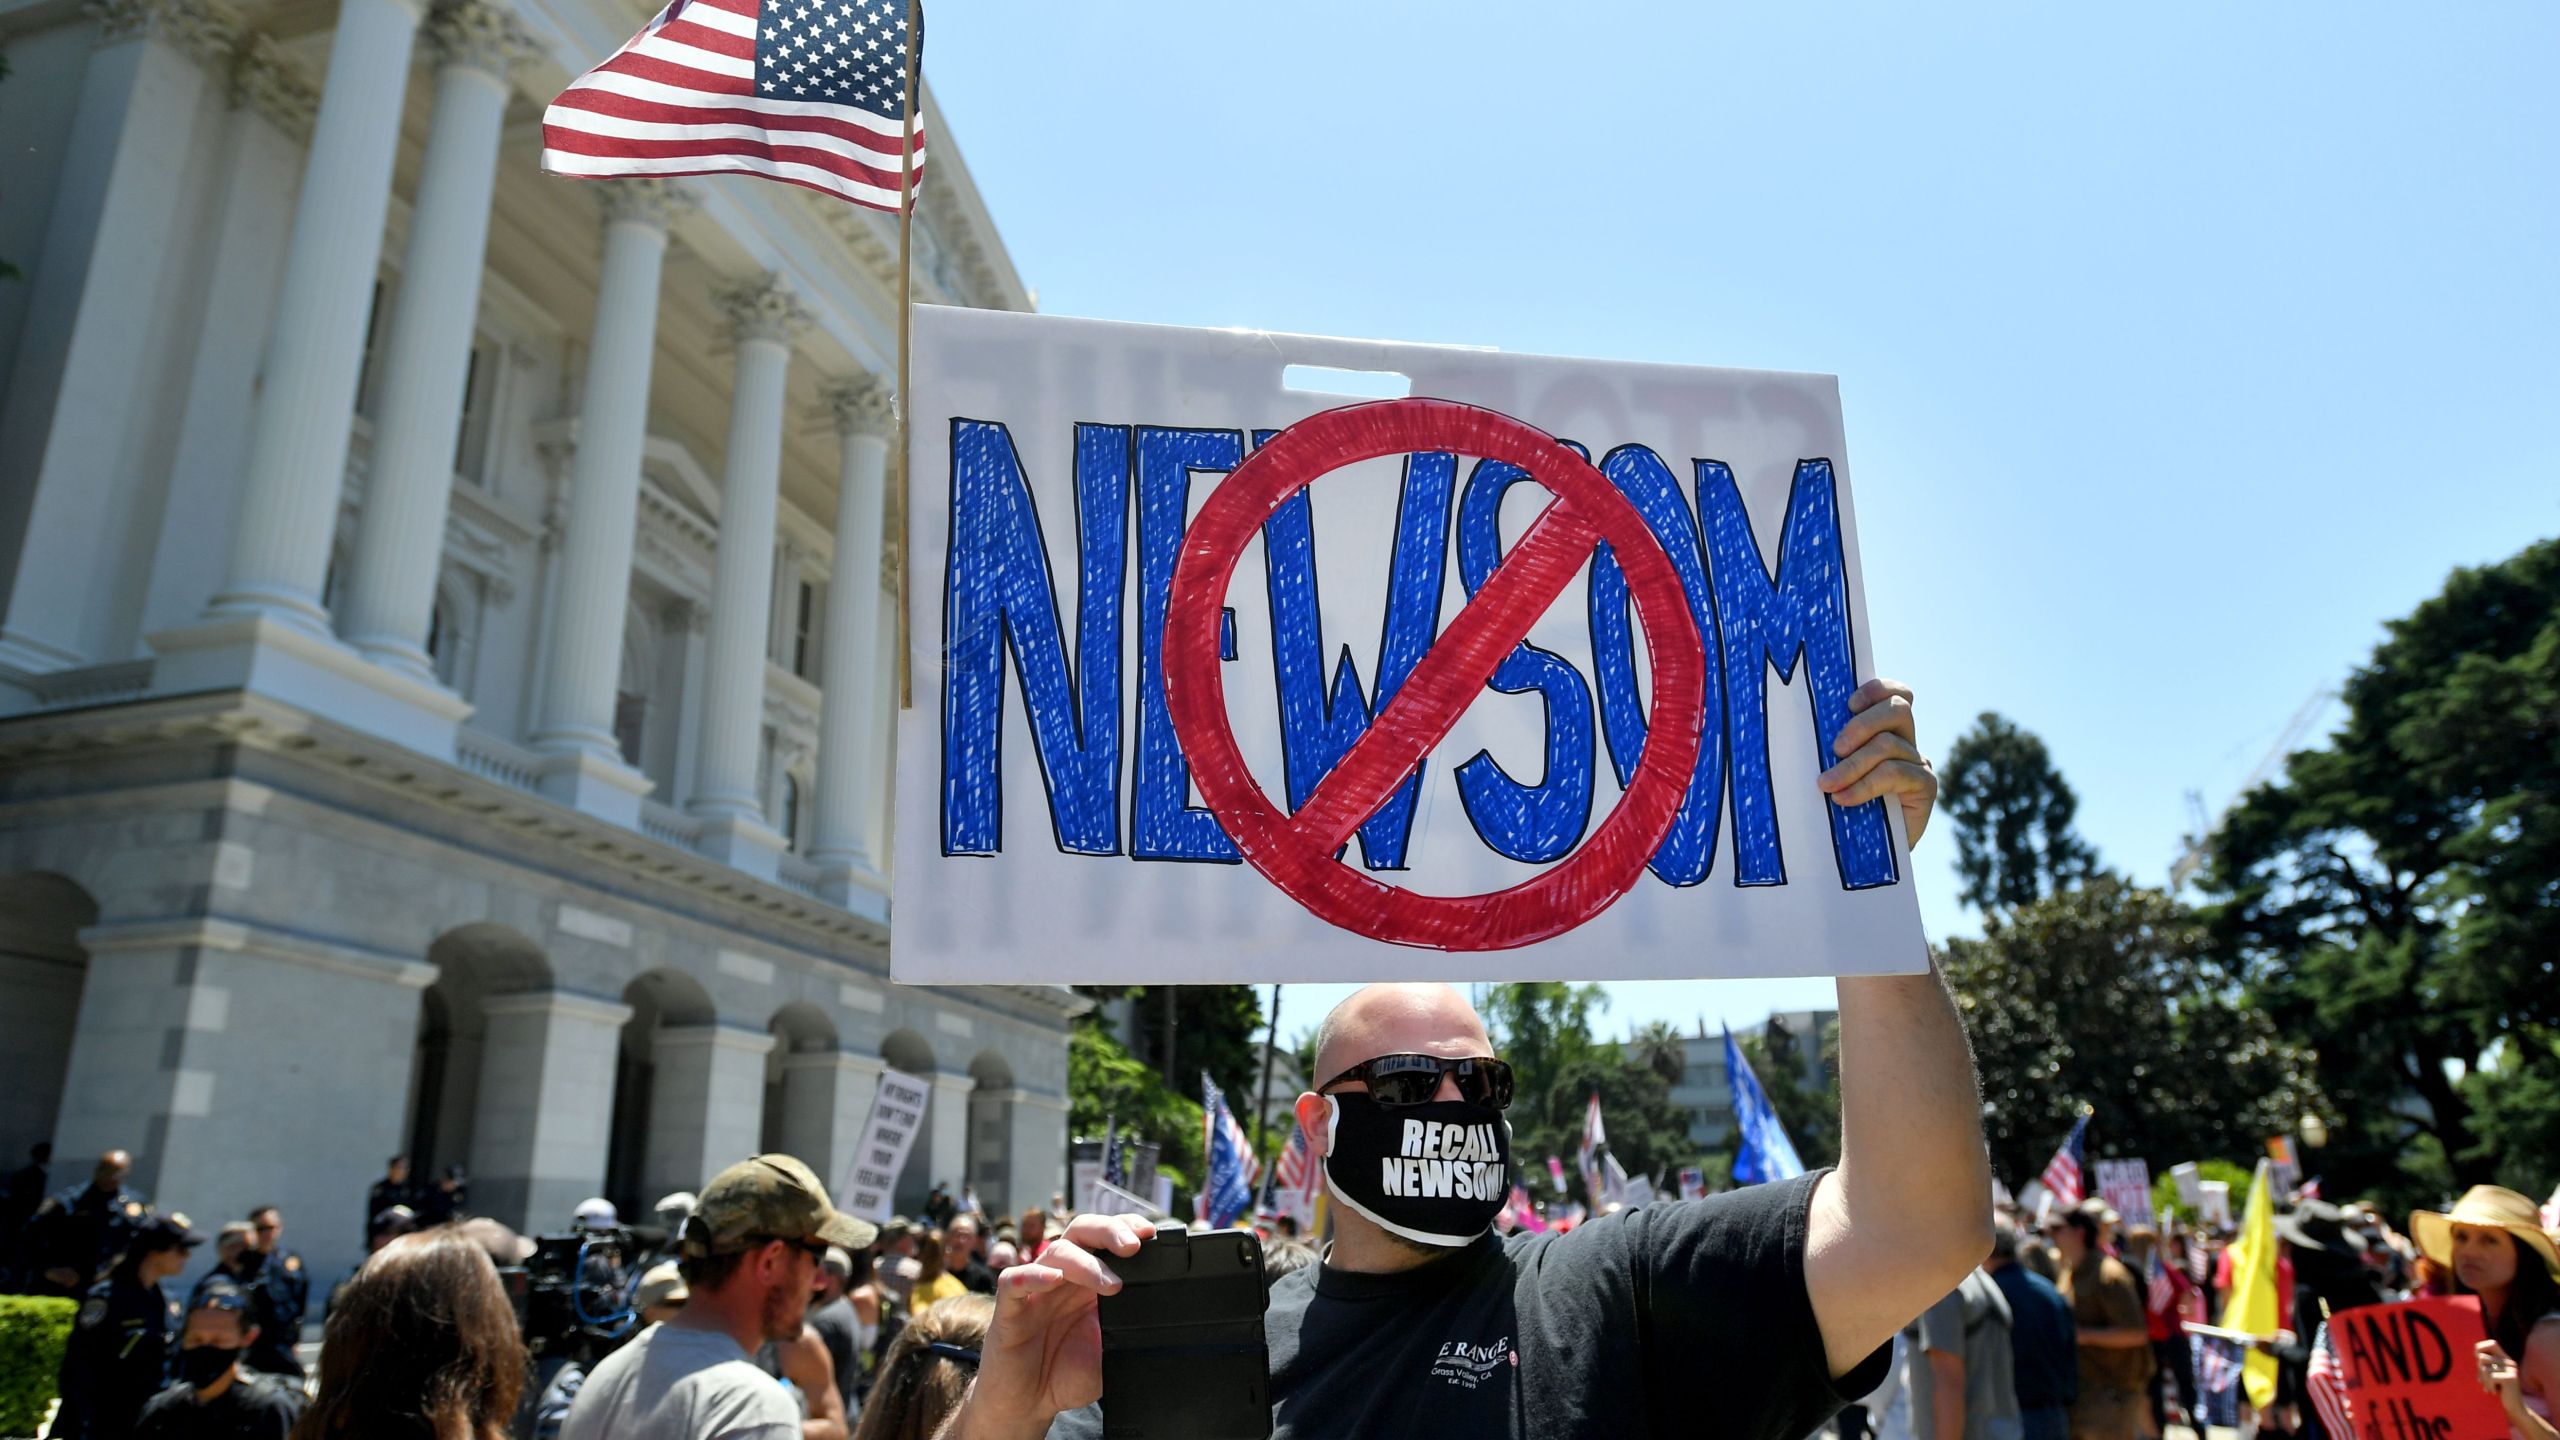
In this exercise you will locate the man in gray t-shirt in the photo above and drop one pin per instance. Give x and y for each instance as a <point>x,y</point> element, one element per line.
<point>749,1255</point>
<point>1963,1385</point>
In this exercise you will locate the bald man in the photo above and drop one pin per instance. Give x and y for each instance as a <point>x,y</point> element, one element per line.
<point>80,1231</point>
<point>1754,1314</point>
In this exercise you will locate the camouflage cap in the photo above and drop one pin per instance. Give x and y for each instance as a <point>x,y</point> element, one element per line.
<point>771,1197</point>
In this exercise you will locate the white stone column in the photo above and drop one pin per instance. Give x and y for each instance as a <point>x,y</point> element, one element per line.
<point>706,1104</point>
<point>544,1120</point>
<point>1037,1139</point>
<point>764,315</point>
<point>827,1095</point>
<point>298,445</point>
<point>947,1130</point>
<point>586,622</point>
<point>846,769</point>
<point>99,291</point>
<point>400,534</point>
<point>991,1115</point>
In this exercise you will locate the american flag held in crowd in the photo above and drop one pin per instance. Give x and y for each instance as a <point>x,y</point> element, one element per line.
<point>809,92</point>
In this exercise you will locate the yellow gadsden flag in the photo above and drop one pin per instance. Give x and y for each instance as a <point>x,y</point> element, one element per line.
<point>2252,1305</point>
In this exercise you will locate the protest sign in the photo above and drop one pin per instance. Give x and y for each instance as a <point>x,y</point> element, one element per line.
<point>2287,1174</point>
<point>897,1111</point>
<point>2410,1372</point>
<point>2189,1178</point>
<point>2213,1204</point>
<point>1221,680</point>
<point>2126,1187</point>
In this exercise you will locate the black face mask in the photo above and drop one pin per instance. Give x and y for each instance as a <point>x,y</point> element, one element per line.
<point>1434,1174</point>
<point>201,1365</point>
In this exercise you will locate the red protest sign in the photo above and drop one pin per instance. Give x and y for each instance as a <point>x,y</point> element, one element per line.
<point>1297,852</point>
<point>2410,1371</point>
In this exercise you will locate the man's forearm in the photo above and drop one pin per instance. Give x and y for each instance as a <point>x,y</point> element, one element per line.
<point>1911,1153</point>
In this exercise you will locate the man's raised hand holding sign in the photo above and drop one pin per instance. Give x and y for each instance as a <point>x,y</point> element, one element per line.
<point>1763,1308</point>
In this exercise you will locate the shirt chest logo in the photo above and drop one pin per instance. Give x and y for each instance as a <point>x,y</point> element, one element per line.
<point>1466,1365</point>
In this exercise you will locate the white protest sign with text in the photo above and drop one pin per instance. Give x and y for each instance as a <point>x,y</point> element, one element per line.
<point>897,1112</point>
<point>1529,675</point>
<point>2126,1185</point>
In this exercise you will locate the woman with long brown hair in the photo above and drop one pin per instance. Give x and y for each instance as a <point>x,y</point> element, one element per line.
<point>927,1370</point>
<point>421,1345</point>
<point>2493,1243</point>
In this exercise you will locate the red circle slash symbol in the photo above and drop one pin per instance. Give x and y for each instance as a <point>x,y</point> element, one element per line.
<point>1297,851</point>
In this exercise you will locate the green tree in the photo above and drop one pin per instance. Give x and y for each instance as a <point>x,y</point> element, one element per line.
<point>1659,1047</point>
<point>2108,994</point>
<point>1215,1028</point>
<point>1544,1029</point>
<point>2012,813</point>
<point>2395,899</point>
<point>1107,1085</point>
<point>1809,1111</point>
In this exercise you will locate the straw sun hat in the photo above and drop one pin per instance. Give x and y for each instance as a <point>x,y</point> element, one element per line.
<point>2484,1205</point>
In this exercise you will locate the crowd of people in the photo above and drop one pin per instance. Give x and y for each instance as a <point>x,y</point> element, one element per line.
<point>756,1311</point>
<point>433,1334</point>
<point>2084,1326</point>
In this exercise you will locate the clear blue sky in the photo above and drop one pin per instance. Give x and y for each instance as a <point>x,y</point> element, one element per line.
<point>2181,345</point>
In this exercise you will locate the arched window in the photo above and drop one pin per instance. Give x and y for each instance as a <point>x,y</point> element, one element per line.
<point>791,812</point>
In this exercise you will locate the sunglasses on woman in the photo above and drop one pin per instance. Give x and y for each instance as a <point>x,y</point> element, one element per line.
<point>1397,1080</point>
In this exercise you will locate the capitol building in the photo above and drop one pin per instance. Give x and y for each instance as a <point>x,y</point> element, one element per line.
<point>447,633</point>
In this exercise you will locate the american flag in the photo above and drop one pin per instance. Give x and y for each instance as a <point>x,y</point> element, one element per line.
<point>2162,1291</point>
<point>1114,1171</point>
<point>809,92</point>
<point>1227,1159</point>
<point>1292,1169</point>
<point>2062,1174</point>
<point>2217,1379</point>
<point>1595,1136</point>
<point>2326,1380</point>
<point>1293,1179</point>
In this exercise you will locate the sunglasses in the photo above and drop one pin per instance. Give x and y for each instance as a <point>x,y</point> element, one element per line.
<point>1398,1080</point>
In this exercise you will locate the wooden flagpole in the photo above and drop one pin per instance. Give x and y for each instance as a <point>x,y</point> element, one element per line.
<point>914,116</point>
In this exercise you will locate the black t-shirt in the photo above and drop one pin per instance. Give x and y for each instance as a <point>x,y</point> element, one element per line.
<point>254,1408</point>
<point>1682,1319</point>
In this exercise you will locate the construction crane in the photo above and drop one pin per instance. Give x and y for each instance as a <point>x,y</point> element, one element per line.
<point>2200,843</point>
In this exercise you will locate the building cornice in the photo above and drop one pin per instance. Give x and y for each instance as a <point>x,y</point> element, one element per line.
<point>695,885</point>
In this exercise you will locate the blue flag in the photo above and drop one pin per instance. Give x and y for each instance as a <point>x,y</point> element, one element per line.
<point>1228,1191</point>
<point>1762,1151</point>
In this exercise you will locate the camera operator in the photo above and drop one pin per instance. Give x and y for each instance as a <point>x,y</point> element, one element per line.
<point>1756,1314</point>
<point>751,1251</point>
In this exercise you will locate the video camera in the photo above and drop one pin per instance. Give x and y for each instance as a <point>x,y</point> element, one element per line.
<point>574,1289</point>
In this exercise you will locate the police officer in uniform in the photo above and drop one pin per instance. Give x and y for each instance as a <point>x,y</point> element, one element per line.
<point>392,1191</point>
<point>284,1296</point>
<point>78,1232</point>
<point>118,1355</point>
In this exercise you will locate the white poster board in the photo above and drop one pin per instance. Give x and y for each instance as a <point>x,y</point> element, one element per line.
<point>2189,1178</point>
<point>2126,1186</point>
<point>1141,664</point>
<point>2214,1209</point>
<point>880,1156</point>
